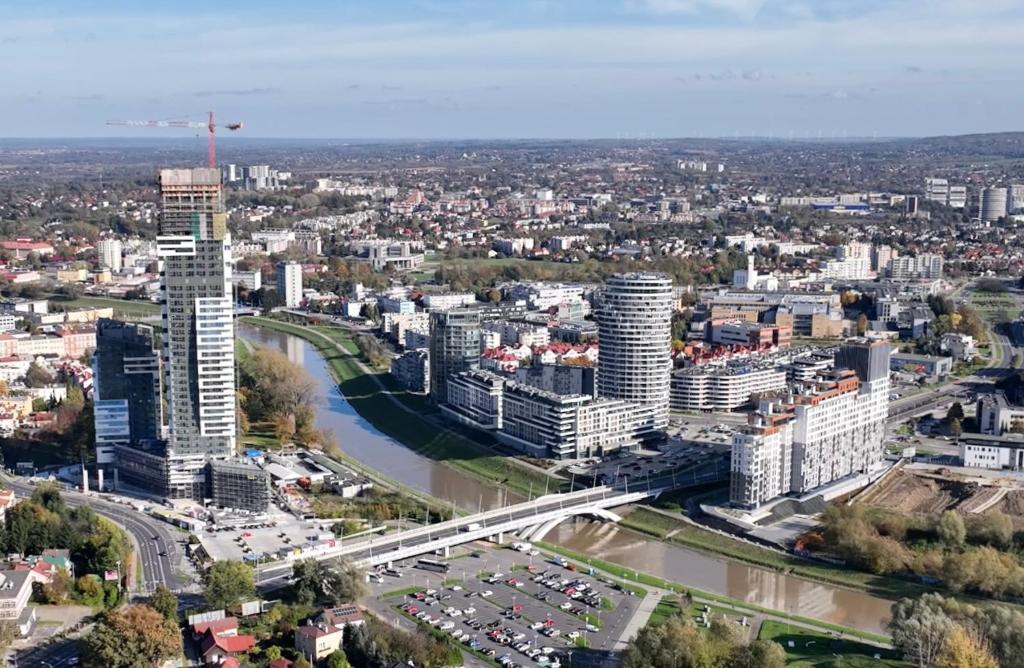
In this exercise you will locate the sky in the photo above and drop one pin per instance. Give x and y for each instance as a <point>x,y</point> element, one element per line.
<point>479,69</point>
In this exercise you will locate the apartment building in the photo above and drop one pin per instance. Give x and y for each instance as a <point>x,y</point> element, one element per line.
<point>723,388</point>
<point>762,457</point>
<point>750,334</point>
<point>543,423</point>
<point>829,427</point>
<point>412,370</point>
<point>289,283</point>
<point>454,347</point>
<point>634,321</point>
<point>926,266</point>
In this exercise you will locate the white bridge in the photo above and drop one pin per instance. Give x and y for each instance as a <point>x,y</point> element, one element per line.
<point>532,520</point>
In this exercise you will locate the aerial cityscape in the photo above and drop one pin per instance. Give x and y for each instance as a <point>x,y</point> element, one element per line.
<point>446,372</point>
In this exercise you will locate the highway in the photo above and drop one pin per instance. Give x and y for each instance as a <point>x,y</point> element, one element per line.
<point>157,543</point>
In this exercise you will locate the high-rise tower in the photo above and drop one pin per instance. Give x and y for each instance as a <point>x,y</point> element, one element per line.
<point>454,347</point>
<point>198,330</point>
<point>634,324</point>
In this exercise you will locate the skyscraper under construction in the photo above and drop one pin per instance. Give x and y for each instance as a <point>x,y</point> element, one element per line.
<point>198,330</point>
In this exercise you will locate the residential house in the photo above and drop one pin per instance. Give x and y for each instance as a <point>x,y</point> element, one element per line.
<point>317,641</point>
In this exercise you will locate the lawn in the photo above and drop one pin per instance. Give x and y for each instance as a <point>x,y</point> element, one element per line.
<point>413,430</point>
<point>121,306</point>
<point>811,649</point>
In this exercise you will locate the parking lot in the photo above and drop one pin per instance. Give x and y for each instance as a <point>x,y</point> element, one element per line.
<point>282,530</point>
<point>519,608</point>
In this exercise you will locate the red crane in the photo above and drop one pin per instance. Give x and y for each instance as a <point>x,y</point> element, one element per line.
<point>210,126</point>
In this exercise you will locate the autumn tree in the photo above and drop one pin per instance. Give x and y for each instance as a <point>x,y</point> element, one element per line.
<point>950,529</point>
<point>131,637</point>
<point>963,650</point>
<point>919,628</point>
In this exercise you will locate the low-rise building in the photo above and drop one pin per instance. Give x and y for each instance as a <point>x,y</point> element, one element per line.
<point>935,368</point>
<point>996,415</point>
<point>988,451</point>
<point>412,370</point>
<point>317,641</point>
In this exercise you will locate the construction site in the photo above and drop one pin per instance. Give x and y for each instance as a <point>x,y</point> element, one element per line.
<point>923,491</point>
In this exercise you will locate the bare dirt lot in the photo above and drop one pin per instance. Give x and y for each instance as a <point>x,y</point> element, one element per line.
<point>923,493</point>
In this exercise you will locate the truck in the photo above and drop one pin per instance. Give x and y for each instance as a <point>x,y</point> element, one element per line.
<point>472,526</point>
<point>522,547</point>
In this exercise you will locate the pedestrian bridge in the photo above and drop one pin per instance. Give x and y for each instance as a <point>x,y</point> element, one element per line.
<point>531,520</point>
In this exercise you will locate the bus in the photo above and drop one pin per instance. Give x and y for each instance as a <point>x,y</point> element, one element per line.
<point>432,565</point>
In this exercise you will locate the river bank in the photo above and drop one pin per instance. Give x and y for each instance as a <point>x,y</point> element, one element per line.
<point>693,569</point>
<point>376,397</point>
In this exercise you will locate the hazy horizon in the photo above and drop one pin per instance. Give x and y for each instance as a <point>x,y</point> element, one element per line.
<point>537,69</point>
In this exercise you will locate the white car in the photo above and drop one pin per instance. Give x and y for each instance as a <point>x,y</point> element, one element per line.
<point>447,626</point>
<point>469,612</point>
<point>486,593</point>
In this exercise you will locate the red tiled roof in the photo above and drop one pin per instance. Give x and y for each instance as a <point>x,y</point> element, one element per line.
<point>280,663</point>
<point>230,662</point>
<point>227,644</point>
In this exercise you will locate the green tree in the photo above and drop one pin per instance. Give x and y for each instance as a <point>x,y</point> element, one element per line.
<point>135,636</point>
<point>228,583</point>
<point>301,662</point>
<point>759,654</point>
<point>8,634</point>
<point>919,628</point>
<point>955,412</point>
<point>950,529</point>
<point>862,324</point>
<point>165,602</point>
<point>38,376</point>
<point>955,428</point>
<point>323,584</point>
<point>337,659</point>
<point>273,653</point>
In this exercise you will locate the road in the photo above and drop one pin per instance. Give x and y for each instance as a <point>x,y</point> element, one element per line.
<point>157,543</point>
<point>57,654</point>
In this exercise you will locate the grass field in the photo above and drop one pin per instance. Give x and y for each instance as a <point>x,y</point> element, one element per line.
<point>409,427</point>
<point>121,307</point>
<point>813,649</point>
<point>684,533</point>
<point>995,306</point>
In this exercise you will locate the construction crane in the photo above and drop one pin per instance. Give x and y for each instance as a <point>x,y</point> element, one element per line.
<point>211,131</point>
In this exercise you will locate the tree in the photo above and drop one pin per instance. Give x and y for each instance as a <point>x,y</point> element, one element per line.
<point>955,412</point>
<point>862,324</point>
<point>995,528</point>
<point>759,654</point>
<point>956,428</point>
<point>962,650</point>
<point>950,529</point>
<point>320,583</point>
<point>38,376</point>
<point>165,602</point>
<point>273,653</point>
<point>228,583</point>
<point>337,659</point>
<point>919,628</point>
<point>135,636</point>
<point>301,662</point>
<point>8,634</point>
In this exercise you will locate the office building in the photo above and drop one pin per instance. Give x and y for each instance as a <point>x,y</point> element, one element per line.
<point>126,386</point>
<point>385,253</point>
<point>251,280</point>
<point>994,204</point>
<point>881,256</point>
<point>634,321</point>
<point>936,190</point>
<point>239,484</point>
<point>957,198</point>
<point>454,347</point>
<point>198,336</point>
<point>289,283</point>
<point>108,254</point>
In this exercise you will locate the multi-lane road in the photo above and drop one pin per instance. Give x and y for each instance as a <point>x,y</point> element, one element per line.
<point>158,545</point>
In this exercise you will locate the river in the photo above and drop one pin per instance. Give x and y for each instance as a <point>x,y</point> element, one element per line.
<point>770,589</point>
<point>362,441</point>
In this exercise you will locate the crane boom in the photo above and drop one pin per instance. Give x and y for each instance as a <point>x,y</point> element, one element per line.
<point>211,130</point>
